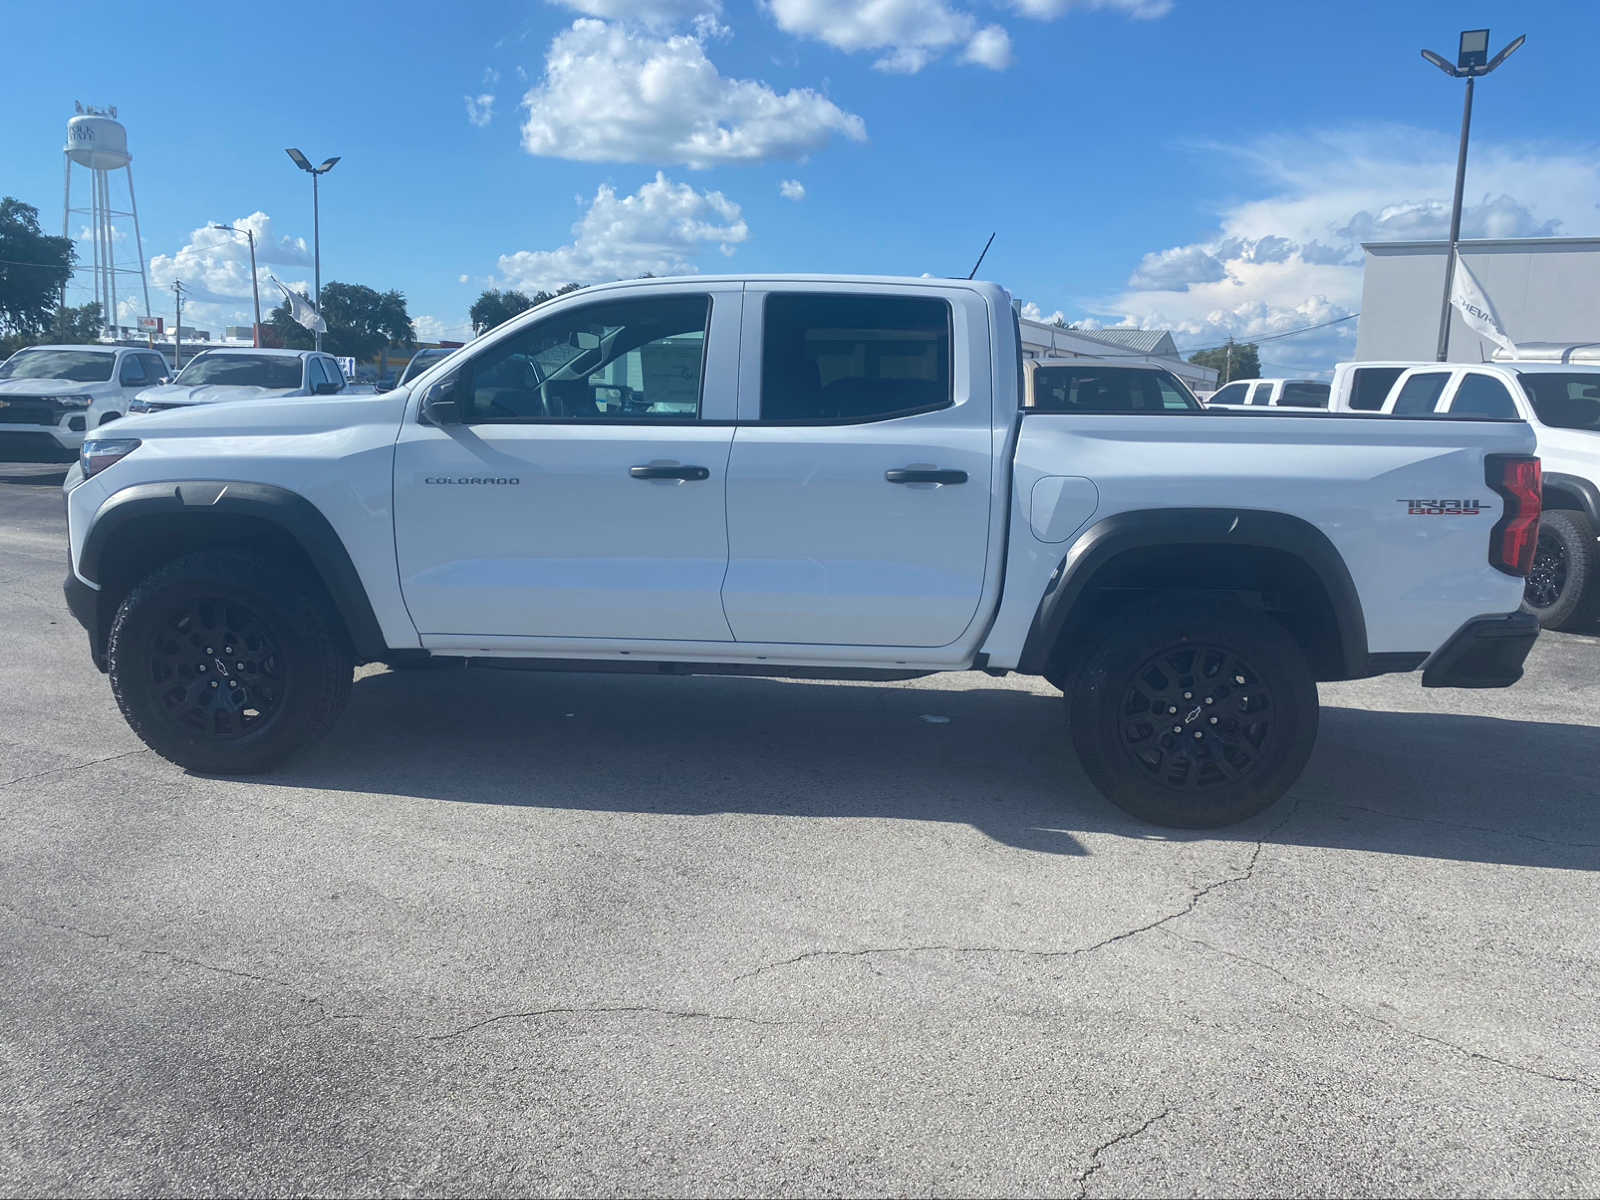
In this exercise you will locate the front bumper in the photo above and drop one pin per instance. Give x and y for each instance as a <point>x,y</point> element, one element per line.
<point>1486,652</point>
<point>44,444</point>
<point>83,602</point>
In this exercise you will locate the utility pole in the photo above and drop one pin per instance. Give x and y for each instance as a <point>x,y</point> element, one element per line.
<point>1227,375</point>
<point>177,329</point>
<point>255,284</point>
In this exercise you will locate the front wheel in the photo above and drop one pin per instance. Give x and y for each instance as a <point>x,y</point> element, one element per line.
<point>226,663</point>
<point>1562,590</point>
<point>1194,713</point>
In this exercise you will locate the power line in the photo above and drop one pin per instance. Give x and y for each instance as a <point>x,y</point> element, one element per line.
<point>1272,337</point>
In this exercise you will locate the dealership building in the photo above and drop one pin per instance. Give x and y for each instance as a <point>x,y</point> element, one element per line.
<point>1544,290</point>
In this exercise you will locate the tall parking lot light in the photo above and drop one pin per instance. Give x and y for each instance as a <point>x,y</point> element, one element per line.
<point>1472,60</point>
<point>301,161</point>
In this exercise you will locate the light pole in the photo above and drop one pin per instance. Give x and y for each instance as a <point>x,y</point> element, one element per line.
<point>255,286</point>
<point>301,161</point>
<point>1472,60</point>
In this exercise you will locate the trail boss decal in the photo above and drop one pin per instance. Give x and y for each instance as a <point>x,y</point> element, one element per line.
<point>1443,508</point>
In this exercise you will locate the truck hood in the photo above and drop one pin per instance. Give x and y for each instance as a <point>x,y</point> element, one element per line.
<point>209,393</point>
<point>47,387</point>
<point>245,418</point>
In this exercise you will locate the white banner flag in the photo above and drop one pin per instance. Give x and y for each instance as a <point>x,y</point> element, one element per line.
<point>301,309</point>
<point>1475,309</point>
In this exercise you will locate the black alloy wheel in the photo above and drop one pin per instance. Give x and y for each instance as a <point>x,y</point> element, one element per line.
<point>1196,716</point>
<point>217,667</point>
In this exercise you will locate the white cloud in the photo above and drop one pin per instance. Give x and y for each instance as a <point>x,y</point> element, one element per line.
<point>612,94</point>
<point>480,109</point>
<point>436,329</point>
<point>990,47</point>
<point>1293,256</point>
<point>463,278</point>
<point>1032,312</point>
<point>907,34</point>
<point>660,229</point>
<point>792,189</point>
<point>214,267</point>
<point>658,14</point>
<point>1049,10</point>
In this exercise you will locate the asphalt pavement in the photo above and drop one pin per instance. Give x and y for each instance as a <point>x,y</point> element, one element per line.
<point>599,934</point>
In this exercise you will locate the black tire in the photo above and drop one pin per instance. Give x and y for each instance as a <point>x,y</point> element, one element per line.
<point>283,686</point>
<point>1562,590</point>
<point>1236,678</point>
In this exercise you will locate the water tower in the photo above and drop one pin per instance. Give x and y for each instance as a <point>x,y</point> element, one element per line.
<point>97,141</point>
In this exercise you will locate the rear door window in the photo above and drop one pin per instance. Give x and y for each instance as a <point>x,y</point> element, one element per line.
<point>844,358</point>
<point>1262,394</point>
<point>1483,396</point>
<point>1369,387</point>
<point>1420,393</point>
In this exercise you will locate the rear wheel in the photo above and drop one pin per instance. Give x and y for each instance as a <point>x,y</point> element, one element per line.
<point>227,663</point>
<point>1194,713</point>
<point>1561,590</point>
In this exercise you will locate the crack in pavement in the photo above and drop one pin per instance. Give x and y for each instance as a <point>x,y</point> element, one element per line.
<point>1094,1159</point>
<point>75,766</point>
<point>181,960</point>
<point>596,1009</point>
<point>1194,900</point>
<point>1532,837</point>
<point>1363,1014</point>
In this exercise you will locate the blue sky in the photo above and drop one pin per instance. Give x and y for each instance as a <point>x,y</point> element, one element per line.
<point>1204,165</point>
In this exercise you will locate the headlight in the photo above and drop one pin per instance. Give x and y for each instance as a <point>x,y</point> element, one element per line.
<point>98,453</point>
<point>73,401</point>
<point>142,406</point>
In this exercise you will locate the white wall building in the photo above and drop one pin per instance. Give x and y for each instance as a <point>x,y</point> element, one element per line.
<point>1545,290</point>
<point>1043,340</point>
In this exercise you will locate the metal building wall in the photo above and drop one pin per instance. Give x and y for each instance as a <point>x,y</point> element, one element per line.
<point>1545,290</point>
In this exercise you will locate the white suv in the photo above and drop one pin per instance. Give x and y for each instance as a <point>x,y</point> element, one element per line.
<point>50,396</point>
<point>245,374</point>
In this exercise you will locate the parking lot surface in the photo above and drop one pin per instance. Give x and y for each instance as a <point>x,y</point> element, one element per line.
<point>508,932</point>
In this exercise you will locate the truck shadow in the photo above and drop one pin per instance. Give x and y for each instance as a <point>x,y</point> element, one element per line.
<point>1423,784</point>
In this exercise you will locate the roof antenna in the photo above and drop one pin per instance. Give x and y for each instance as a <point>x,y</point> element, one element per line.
<point>981,257</point>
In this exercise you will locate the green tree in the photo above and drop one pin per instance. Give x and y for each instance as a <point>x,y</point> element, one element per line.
<point>1236,360</point>
<point>34,267</point>
<point>494,307</point>
<point>77,324</point>
<point>362,323</point>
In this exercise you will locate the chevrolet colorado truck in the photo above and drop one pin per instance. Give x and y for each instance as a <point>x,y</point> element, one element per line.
<point>800,477</point>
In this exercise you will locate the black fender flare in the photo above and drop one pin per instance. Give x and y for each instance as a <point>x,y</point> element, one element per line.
<point>1583,493</point>
<point>289,512</point>
<point>1115,535</point>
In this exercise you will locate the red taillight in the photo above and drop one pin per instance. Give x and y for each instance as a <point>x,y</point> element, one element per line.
<point>1517,480</point>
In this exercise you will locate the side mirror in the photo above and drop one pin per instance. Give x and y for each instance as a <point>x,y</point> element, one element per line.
<point>583,339</point>
<point>325,388</point>
<point>442,403</point>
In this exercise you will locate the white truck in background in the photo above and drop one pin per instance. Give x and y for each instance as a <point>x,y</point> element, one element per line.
<point>1306,394</point>
<point>813,476</point>
<point>1556,390</point>
<point>51,396</point>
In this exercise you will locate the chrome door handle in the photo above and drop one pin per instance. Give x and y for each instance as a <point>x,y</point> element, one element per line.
<point>920,475</point>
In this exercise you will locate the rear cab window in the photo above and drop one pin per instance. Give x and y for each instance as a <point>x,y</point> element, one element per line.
<point>1564,400</point>
<point>1370,386</point>
<point>1304,395</point>
<point>838,358</point>
<point>1102,390</point>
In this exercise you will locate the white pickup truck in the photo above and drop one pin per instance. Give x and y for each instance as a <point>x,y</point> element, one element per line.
<point>1556,390</point>
<point>813,477</point>
<point>51,396</point>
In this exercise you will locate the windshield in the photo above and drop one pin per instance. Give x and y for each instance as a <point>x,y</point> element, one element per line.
<point>420,362</point>
<point>80,366</point>
<point>242,370</point>
<point>1562,400</point>
<point>1091,389</point>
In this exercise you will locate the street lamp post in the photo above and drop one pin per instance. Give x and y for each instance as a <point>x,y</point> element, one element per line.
<point>304,164</point>
<point>255,285</point>
<point>1472,60</point>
